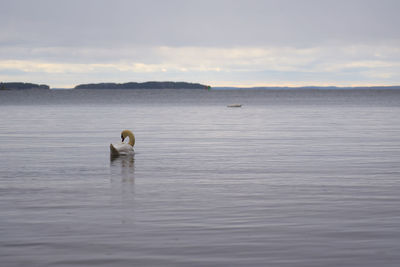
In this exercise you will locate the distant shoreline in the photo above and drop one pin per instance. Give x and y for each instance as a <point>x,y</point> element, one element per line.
<point>396,87</point>
<point>17,86</point>
<point>144,85</point>
<point>5,86</point>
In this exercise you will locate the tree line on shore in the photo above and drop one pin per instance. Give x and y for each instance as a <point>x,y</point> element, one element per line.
<point>129,85</point>
<point>144,85</point>
<point>22,86</point>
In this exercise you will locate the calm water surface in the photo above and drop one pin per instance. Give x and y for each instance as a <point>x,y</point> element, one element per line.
<point>293,178</point>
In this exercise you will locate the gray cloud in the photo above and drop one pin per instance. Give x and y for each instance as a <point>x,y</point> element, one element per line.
<point>200,23</point>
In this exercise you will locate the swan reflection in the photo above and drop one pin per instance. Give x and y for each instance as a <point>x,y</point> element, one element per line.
<point>122,186</point>
<point>123,168</point>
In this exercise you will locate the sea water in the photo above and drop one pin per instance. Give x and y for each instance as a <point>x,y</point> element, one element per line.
<point>292,178</point>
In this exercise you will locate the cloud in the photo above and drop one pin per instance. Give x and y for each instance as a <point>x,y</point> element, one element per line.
<point>210,23</point>
<point>242,65</point>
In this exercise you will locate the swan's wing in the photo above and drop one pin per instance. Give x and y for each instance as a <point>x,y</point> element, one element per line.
<point>113,151</point>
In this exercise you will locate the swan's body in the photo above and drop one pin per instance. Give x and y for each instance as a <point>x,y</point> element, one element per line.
<point>122,148</point>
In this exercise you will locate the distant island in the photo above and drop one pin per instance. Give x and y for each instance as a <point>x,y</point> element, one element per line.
<point>144,85</point>
<point>22,86</point>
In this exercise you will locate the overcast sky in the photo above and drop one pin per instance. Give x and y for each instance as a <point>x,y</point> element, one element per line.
<point>221,43</point>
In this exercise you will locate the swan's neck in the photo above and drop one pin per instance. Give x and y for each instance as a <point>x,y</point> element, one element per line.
<point>131,139</point>
<point>127,133</point>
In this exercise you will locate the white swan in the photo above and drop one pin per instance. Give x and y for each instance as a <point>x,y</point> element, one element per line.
<point>123,148</point>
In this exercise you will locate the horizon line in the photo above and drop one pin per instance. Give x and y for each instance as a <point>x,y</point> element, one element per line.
<point>239,86</point>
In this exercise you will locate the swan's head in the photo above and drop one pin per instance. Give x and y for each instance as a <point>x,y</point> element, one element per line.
<point>127,133</point>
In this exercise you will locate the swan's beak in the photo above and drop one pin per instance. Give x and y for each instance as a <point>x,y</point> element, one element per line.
<point>122,138</point>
